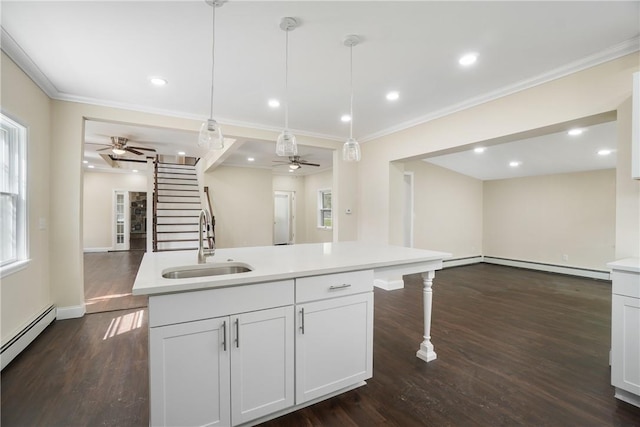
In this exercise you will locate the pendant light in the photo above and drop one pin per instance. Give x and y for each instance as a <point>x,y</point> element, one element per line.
<point>210,136</point>
<point>286,143</point>
<point>351,148</point>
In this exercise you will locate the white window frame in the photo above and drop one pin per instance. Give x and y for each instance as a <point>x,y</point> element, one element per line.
<point>322,209</point>
<point>14,184</point>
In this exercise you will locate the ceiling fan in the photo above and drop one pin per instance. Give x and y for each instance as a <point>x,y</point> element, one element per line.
<point>119,146</point>
<point>295,162</point>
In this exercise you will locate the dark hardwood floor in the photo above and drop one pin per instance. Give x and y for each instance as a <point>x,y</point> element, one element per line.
<point>108,279</point>
<point>515,347</point>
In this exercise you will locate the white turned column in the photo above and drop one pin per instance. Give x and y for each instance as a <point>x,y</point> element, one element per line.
<point>426,352</point>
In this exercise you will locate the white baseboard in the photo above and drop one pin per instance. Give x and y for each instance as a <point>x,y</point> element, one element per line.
<point>462,261</point>
<point>97,249</point>
<point>26,335</point>
<point>550,268</point>
<point>72,312</point>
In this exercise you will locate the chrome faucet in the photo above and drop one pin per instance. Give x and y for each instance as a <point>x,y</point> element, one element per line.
<point>203,253</point>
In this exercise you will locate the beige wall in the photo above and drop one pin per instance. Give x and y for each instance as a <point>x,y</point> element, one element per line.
<point>542,218</point>
<point>242,200</point>
<point>26,293</point>
<point>628,191</point>
<point>586,93</point>
<point>313,183</point>
<point>447,210</point>
<point>296,185</point>
<point>98,204</point>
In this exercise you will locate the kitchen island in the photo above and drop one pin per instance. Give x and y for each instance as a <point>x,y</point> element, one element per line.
<point>291,326</point>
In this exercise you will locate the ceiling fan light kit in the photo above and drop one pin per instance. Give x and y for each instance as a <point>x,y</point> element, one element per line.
<point>351,148</point>
<point>286,143</point>
<point>210,136</point>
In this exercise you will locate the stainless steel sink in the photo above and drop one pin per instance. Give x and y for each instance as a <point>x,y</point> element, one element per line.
<point>205,270</point>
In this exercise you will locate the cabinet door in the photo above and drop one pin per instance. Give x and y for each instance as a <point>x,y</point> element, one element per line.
<point>189,373</point>
<point>334,345</point>
<point>262,364</point>
<point>625,343</point>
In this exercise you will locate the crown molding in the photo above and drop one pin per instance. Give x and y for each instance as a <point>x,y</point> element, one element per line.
<point>614,52</point>
<point>13,50</point>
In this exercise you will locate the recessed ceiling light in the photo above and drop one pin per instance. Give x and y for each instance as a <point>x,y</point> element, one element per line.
<point>157,81</point>
<point>250,159</point>
<point>575,132</point>
<point>604,152</point>
<point>85,161</point>
<point>514,164</point>
<point>392,96</point>
<point>181,153</point>
<point>345,118</point>
<point>479,150</point>
<point>468,59</point>
<point>274,103</point>
<point>135,171</point>
<point>91,166</point>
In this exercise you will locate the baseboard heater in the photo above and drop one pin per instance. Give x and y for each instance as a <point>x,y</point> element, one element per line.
<point>550,268</point>
<point>15,345</point>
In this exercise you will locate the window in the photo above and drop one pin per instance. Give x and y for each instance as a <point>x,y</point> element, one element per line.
<point>13,194</point>
<point>324,209</point>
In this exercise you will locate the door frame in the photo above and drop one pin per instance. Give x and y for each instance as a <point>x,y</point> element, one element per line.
<point>291,196</point>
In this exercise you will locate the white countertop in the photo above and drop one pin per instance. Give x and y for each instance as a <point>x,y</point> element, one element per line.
<point>626,264</point>
<point>275,263</point>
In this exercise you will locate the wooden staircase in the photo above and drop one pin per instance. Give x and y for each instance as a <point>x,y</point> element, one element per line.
<point>177,206</point>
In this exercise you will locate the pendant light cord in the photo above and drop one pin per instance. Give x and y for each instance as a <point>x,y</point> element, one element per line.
<point>351,84</point>
<point>286,80</point>
<point>213,52</point>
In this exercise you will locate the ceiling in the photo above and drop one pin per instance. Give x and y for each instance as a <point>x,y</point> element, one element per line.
<point>104,52</point>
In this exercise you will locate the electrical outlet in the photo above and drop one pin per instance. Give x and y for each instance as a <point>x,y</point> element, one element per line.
<point>565,257</point>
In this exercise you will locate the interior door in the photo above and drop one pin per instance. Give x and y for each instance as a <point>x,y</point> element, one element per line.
<point>282,218</point>
<point>121,220</point>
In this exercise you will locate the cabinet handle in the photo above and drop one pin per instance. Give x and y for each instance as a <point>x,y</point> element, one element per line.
<point>338,287</point>
<point>302,322</point>
<point>224,335</point>
<point>237,333</point>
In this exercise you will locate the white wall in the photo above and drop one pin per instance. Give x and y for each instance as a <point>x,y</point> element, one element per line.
<point>26,293</point>
<point>543,218</point>
<point>242,200</point>
<point>98,212</point>
<point>295,184</point>
<point>313,183</point>
<point>628,190</point>
<point>447,210</point>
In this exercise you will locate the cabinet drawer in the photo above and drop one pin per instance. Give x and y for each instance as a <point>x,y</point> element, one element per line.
<point>189,306</point>
<point>626,283</point>
<point>333,285</point>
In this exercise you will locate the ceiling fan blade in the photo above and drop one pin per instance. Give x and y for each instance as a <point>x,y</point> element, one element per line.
<point>142,148</point>
<point>303,162</point>
<point>281,162</point>
<point>105,148</point>
<point>133,150</point>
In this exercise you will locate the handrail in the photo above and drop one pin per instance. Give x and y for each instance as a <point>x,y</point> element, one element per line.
<point>155,204</point>
<point>213,217</point>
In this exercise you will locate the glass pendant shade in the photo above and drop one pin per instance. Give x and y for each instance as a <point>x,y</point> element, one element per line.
<point>210,137</point>
<point>351,151</point>
<point>286,144</point>
<point>118,151</point>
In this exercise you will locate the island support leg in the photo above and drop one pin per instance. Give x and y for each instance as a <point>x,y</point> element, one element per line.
<point>426,352</point>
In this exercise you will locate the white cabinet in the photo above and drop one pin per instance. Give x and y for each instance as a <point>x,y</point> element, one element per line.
<point>262,363</point>
<point>625,332</point>
<point>189,374</point>
<point>334,336</point>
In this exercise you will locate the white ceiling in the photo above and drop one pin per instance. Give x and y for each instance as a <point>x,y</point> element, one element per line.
<point>104,52</point>
<point>542,155</point>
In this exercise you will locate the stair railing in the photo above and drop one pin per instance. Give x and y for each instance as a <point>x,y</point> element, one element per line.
<point>155,203</point>
<point>213,217</point>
